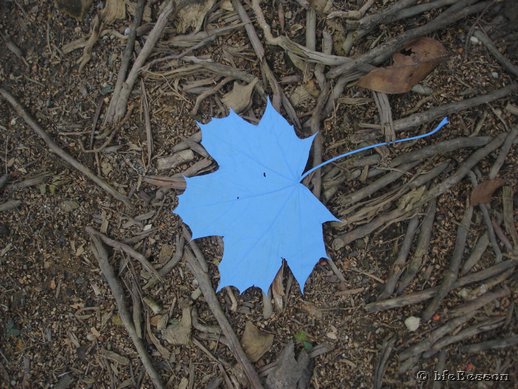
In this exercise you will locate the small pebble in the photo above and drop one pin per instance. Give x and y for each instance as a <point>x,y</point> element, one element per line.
<point>474,40</point>
<point>494,74</point>
<point>412,323</point>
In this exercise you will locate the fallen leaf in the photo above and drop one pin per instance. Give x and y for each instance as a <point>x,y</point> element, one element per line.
<point>411,65</point>
<point>290,372</point>
<point>179,332</point>
<point>69,205</point>
<point>193,15</point>
<point>255,342</point>
<point>311,309</point>
<point>114,9</point>
<point>483,192</point>
<point>239,98</point>
<point>75,8</point>
<point>278,289</point>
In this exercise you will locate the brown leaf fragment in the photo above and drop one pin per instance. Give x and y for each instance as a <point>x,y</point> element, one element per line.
<point>410,66</point>
<point>483,192</point>
<point>239,98</point>
<point>192,15</point>
<point>291,372</point>
<point>75,8</point>
<point>179,332</point>
<point>255,342</point>
<point>114,9</point>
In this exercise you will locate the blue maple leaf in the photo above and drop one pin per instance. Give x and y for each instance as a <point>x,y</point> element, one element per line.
<point>256,201</point>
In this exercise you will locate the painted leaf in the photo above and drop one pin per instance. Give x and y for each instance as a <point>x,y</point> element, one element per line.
<point>255,201</point>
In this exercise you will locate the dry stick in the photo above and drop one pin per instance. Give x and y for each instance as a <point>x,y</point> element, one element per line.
<point>487,221</point>
<point>501,235</point>
<point>421,249</point>
<point>472,306</point>
<point>341,240</point>
<point>434,336</point>
<point>486,41</point>
<point>450,276</point>
<point>503,153</point>
<point>496,344</point>
<point>380,183</point>
<point>476,254</point>
<point>316,177</point>
<point>421,118</point>
<point>398,11</point>
<point>58,150</point>
<point>147,123</point>
<point>426,294</point>
<point>195,249</point>
<point>128,250</point>
<point>177,256</point>
<point>384,355</point>
<point>100,253</point>
<point>206,287</point>
<point>419,155</point>
<point>9,204</point>
<point>126,58</point>
<point>278,94</point>
<point>380,53</point>
<point>478,328</point>
<point>354,14</point>
<point>441,363</point>
<point>385,115</point>
<point>507,203</point>
<point>399,263</point>
<point>120,105</point>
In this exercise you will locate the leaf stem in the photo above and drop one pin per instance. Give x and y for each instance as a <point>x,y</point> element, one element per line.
<point>439,126</point>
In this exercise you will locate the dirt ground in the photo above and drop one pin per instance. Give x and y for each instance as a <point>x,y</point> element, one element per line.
<point>59,325</point>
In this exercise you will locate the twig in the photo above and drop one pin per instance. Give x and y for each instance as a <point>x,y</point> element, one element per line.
<point>421,249</point>
<point>58,150</point>
<point>209,92</point>
<point>496,344</point>
<point>147,123</point>
<point>434,336</point>
<point>399,263</point>
<point>196,250</point>
<point>278,95</point>
<point>507,203</point>
<point>486,41</point>
<point>128,250</point>
<point>380,53</point>
<point>9,204</point>
<point>125,61</point>
<point>472,306</point>
<point>206,287</point>
<point>478,328</point>
<point>503,153</point>
<point>385,115</point>
<point>450,276</point>
<point>426,294</point>
<point>164,270</point>
<point>118,106</point>
<point>422,118</point>
<point>384,355</point>
<point>440,367</point>
<point>356,14</point>
<point>487,221</point>
<point>476,254</point>
<point>341,240</point>
<point>100,253</point>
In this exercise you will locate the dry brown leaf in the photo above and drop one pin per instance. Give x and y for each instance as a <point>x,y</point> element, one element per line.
<point>255,342</point>
<point>411,65</point>
<point>114,9</point>
<point>278,289</point>
<point>239,98</point>
<point>179,332</point>
<point>193,15</point>
<point>290,372</point>
<point>483,192</point>
<point>75,8</point>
